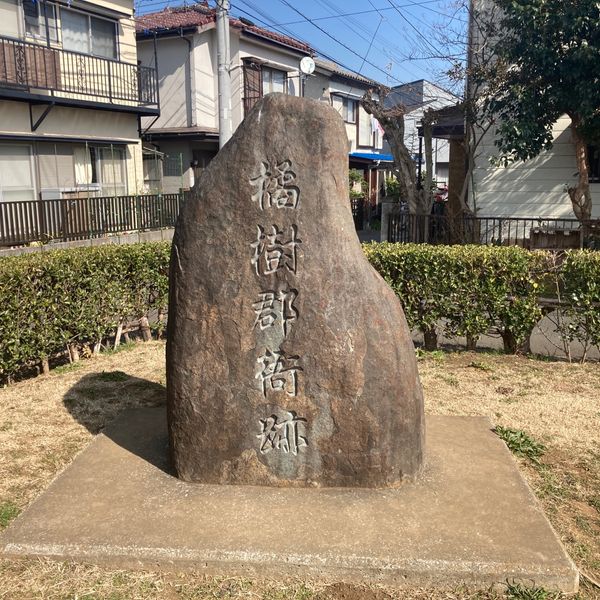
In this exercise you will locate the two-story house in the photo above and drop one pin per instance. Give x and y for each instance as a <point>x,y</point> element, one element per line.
<point>187,131</point>
<point>417,97</point>
<point>262,61</point>
<point>344,89</point>
<point>531,189</point>
<point>71,97</point>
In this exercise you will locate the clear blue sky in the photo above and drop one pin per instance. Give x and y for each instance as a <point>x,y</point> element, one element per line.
<point>391,41</point>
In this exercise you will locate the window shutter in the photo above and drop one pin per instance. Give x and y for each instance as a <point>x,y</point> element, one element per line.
<point>252,83</point>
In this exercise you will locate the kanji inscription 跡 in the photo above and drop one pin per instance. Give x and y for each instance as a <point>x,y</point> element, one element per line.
<point>282,434</point>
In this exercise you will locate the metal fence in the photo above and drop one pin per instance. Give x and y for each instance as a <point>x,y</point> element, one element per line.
<point>499,231</point>
<point>82,218</point>
<point>358,212</point>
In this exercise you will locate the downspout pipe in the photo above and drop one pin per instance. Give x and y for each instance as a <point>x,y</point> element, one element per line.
<point>224,80</point>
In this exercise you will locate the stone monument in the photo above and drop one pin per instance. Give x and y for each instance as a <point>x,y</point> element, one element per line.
<point>289,360</point>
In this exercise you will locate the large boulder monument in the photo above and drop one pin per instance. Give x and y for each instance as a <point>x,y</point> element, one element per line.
<point>289,360</point>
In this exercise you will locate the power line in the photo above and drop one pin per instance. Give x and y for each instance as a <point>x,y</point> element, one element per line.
<point>337,41</point>
<point>385,46</point>
<point>362,12</point>
<point>419,34</point>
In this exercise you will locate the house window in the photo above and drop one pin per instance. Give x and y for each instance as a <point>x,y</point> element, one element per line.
<point>365,129</point>
<point>260,80</point>
<point>347,107</point>
<point>102,169</point>
<point>273,80</point>
<point>110,169</point>
<point>349,110</point>
<point>152,164</point>
<point>35,22</point>
<point>594,159</point>
<point>87,34</point>
<point>16,173</point>
<point>9,18</point>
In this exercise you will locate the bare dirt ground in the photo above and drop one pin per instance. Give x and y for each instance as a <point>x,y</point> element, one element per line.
<point>46,421</point>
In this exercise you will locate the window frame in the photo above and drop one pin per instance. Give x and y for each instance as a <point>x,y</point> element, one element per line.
<point>346,100</point>
<point>271,70</point>
<point>32,172</point>
<point>89,17</point>
<point>41,18</point>
<point>95,153</point>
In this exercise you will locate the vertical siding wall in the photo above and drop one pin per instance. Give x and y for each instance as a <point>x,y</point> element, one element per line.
<point>532,188</point>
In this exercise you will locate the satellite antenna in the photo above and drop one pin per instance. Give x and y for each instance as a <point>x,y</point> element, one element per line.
<point>307,65</point>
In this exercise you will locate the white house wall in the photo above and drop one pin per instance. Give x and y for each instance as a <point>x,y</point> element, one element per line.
<point>173,56</point>
<point>205,99</point>
<point>533,188</point>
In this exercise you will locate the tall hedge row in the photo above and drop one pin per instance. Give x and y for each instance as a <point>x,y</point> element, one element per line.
<point>472,290</point>
<point>62,299</point>
<point>52,300</point>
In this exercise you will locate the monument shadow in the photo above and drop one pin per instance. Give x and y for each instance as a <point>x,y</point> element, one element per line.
<point>128,410</point>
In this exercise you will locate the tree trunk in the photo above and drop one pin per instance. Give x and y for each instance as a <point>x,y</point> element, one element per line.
<point>392,121</point>
<point>472,342</point>
<point>581,197</point>
<point>427,196</point>
<point>430,339</point>
<point>145,329</point>
<point>74,353</point>
<point>118,335</point>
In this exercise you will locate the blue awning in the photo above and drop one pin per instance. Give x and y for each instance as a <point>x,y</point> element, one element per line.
<point>372,156</point>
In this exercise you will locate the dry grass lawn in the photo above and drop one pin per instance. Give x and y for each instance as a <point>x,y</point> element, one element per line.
<point>46,421</point>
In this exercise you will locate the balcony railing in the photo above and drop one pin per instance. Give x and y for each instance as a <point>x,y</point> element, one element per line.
<point>30,67</point>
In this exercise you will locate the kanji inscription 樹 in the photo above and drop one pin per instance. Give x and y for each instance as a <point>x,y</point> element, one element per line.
<point>274,250</point>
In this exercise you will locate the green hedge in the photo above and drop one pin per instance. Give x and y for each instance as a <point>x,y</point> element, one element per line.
<point>55,300</point>
<point>51,300</point>
<point>472,290</point>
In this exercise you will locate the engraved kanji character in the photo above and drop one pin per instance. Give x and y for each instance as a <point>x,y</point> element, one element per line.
<point>272,253</point>
<point>278,372</point>
<point>275,306</point>
<point>274,187</point>
<point>282,435</point>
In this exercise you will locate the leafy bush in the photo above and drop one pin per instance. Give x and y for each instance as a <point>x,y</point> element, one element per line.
<point>470,289</point>
<point>579,285</point>
<point>53,299</point>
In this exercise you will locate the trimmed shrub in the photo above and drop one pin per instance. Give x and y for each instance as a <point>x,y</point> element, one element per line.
<point>62,300</point>
<point>470,289</point>
<point>579,285</point>
<point>79,296</point>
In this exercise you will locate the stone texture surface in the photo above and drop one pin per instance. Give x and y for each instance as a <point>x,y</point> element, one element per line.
<point>469,518</point>
<point>289,361</point>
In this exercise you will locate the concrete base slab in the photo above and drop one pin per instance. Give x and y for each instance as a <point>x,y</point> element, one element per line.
<point>470,518</point>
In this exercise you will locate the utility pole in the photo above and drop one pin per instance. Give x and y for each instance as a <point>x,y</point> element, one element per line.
<point>224,61</point>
